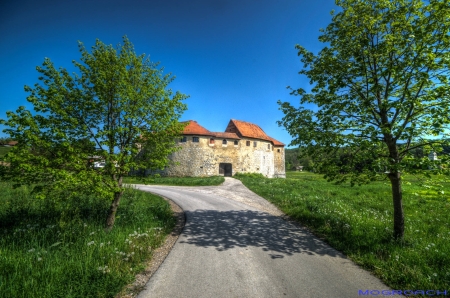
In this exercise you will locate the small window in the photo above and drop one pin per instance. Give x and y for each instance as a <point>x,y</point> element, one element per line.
<point>211,141</point>
<point>195,139</point>
<point>268,146</point>
<point>236,142</point>
<point>248,143</point>
<point>183,139</point>
<point>255,143</point>
<point>278,150</point>
<point>224,142</point>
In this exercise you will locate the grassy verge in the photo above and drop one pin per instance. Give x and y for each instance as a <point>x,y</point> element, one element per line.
<point>358,221</point>
<point>181,181</point>
<point>59,249</point>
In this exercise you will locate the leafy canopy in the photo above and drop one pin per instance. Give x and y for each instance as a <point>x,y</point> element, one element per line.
<point>380,88</point>
<point>117,104</point>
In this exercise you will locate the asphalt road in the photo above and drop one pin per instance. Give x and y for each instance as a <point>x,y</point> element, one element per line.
<point>231,249</point>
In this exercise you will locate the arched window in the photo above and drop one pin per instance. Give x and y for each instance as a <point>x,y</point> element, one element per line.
<point>211,141</point>
<point>224,142</point>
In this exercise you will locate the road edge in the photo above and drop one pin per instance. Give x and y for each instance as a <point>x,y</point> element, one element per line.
<point>159,255</point>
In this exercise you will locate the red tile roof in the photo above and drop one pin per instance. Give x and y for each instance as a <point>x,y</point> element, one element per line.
<point>193,128</point>
<point>236,129</point>
<point>275,142</point>
<point>250,130</point>
<point>227,135</point>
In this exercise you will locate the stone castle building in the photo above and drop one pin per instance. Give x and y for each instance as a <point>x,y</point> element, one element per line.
<point>243,148</point>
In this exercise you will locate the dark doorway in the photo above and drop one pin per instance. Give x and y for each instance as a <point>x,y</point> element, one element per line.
<point>225,169</point>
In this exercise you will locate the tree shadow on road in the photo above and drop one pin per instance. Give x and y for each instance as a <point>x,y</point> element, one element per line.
<point>242,228</point>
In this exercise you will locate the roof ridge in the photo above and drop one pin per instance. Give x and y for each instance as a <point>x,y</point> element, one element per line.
<point>249,123</point>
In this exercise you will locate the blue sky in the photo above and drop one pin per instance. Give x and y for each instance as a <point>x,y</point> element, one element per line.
<point>233,58</point>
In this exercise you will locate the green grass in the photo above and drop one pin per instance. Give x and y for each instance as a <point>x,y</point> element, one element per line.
<point>359,222</point>
<point>58,248</point>
<point>4,150</point>
<point>181,181</point>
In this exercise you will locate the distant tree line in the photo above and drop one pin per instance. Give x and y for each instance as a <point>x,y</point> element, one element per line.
<point>348,160</point>
<point>292,160</point>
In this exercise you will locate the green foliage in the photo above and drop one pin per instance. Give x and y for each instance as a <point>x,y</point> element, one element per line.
<point>380,85</point>
<point>4,150</point>
<point>380,90</point>
<point>116,105</point>
<point>55,248</point>
<point>181,181</point>
<point>292,160</point>
<point>358,222</point>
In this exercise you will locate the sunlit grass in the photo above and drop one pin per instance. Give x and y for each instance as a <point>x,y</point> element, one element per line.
<point>359,222</point>
<point>181,181</point>
<point>58,248</point>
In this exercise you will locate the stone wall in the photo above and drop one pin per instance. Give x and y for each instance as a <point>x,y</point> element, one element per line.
<point>279,164</point>
<point>203,159</point>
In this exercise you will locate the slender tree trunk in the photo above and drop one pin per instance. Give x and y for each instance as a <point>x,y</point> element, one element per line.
<point>396,184</point>
<point>399,220</point>
<point>110,219</point>
<point>112,211</point>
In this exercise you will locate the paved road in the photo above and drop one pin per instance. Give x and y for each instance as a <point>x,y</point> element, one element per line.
<point>230,247</point>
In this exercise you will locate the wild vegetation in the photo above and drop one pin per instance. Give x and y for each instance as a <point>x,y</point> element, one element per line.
<point>58,247</point>
<point>358,221</point>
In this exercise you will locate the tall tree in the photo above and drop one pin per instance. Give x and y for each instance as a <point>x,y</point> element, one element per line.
<point>380,90</point>
<point>117,104</point>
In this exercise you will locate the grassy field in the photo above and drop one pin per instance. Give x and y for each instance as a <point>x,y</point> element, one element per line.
<point>59,248</point>
<point>181,181</point>
<point>358,221</point>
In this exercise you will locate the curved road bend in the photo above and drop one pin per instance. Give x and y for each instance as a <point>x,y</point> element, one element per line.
<point>231,249</point>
